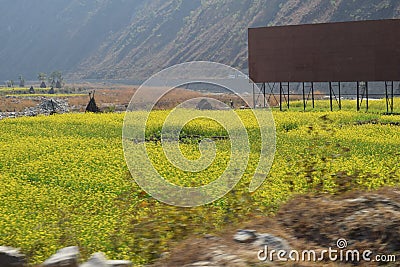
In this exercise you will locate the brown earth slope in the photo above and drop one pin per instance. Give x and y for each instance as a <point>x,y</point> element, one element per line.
<point>366,220</point>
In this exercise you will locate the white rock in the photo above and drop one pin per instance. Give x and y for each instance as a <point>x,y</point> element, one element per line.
<point>245,236</point>
<point>65,257</point>
<point>99,260</point>
<point>11,257</point>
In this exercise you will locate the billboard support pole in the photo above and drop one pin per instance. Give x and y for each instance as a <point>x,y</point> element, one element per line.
<point>340,97</point>
<point>392,104</point>
<point>358,96</point>
<point>389,99</point>
<point>330,96</point>
<point>304,97</point>
<point>288,95</point>
<point>254,98</point>
<point>280,96</point>
<point>264,95</point>
<point>367,94</point>
<point>312,95</point>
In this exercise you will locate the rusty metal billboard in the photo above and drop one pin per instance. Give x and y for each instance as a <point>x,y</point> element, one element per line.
<point>336,52</point>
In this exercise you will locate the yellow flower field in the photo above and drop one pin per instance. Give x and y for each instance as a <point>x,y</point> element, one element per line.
<point>64,180</point>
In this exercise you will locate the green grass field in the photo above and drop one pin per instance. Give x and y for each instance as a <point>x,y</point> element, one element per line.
<point>64,180</point>
<point>24,92</point>
<point>374,106</point>
<point>46,95</point>
<point>21,89</point>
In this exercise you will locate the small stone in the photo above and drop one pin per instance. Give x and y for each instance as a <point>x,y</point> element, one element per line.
<point>271,241</point>
<point>96,260</point>
<point>245,236</point>
<point>230,258</point>
<point>356,200</point>
<point>118,263</point>
<point>202,263</point>
<point>11,257</point>
<point>224,258</point>
<point>218,258</point>
<point>217,252</point>
<point>65,257</point>
<point>99,260</point>
<point>210,237</point>
<point>164,254</point>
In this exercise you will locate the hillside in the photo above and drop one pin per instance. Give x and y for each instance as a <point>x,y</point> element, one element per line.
<point>124,39</point>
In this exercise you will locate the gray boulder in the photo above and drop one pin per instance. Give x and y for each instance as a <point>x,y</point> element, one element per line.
<point>11,257</point>
<point>99,260</point>
<point>65,257</point>
<point>245,236</point>
<point>96,260</point>
<point>256,239</point>
<point>271,241</point>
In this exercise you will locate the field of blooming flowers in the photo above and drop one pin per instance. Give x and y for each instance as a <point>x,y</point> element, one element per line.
<point>64,180</point>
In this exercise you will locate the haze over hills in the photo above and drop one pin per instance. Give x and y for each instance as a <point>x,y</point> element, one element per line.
<point>133,39</point>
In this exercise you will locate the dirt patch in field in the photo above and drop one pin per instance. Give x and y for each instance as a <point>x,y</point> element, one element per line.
<point>14,104</point>
<point>111,99</point>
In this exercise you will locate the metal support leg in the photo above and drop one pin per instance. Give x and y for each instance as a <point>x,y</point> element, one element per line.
<point>265,95</point>
<point>367,95</point>
<point>358,96</point>
<point>280,96</point>
<point>387,97</point>
<point>288,95</point>
<point>304,97</point>
<point>392,103</point>
<point>312,95</point>
<point>330,96</point>
<point>254,98</point>
<point>340,96</point>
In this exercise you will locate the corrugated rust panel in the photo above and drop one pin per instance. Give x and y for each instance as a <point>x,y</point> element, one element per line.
<point>344,51</point>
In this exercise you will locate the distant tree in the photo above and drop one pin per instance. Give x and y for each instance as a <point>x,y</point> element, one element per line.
<point>56,79</point>
<point>52,79</point>
<point>12,83</point>
<point>21,81</point>
<point>42,78</point>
